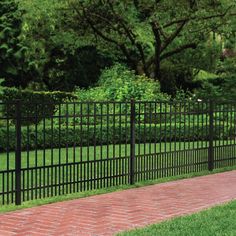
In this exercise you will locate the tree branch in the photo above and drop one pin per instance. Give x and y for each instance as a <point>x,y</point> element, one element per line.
<point>189,18</point>
<point>156,58</point>
<point>106,37</point>
<point>131,36</point>
<point>170,39</point>
<point>178,50</point>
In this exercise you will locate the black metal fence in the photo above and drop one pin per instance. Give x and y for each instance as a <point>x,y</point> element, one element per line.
<point>54,149</point>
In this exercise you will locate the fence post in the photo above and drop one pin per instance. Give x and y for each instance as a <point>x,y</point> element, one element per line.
<point>211,137</point>
<point>18,154</point>
<point>132,142</point>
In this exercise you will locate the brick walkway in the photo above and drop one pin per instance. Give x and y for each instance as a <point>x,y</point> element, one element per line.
<point>114,212</point>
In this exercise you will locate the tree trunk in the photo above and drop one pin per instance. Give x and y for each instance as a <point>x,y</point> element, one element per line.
<point>157,72</point>
<point>157,60</point>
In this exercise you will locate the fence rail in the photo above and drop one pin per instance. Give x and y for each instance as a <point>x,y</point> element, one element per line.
<point>53,149</point>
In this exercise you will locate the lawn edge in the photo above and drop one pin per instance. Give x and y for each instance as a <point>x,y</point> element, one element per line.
<point>68,197</point>
<point>215,207</point>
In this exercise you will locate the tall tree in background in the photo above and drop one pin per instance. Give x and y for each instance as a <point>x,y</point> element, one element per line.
<point>147,32</point>
<point>59,56</point>
<point>12,64</point>
<point>60,44</point>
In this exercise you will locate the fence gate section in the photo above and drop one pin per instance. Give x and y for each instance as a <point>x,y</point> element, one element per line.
<point>49,149</point>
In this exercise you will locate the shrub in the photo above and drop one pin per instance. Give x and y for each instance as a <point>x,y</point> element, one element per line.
<point>177,76</point>
<point>222,87</point>
<point>82,135</point>
<point>120,84</point>
<point>40,103</point>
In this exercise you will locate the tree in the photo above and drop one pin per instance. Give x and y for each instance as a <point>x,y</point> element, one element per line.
<point>222,86</point>
<point>12,62</point>
<point>65,70</point>
<point>147,32</point>
<point>60,57</point>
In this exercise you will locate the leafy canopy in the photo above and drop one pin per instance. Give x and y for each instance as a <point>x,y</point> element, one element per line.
<point>146,32</point>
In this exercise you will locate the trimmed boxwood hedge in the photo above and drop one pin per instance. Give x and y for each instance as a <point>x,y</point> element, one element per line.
<point>68,136</point>
<point>33,104</point>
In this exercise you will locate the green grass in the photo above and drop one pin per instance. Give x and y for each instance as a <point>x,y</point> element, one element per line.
<point>204,75</point>
<point>51,156</point>
<point>50,200</point>
<point>89,153</point>
<point>217,221</point>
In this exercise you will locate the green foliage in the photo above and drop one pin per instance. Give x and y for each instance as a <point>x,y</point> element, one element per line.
<point>1,87</point>
<point>34,105</point>
<point>65,69</point>
<point>58,45</point>
<point>118,83</point>
<point>16,69</point>
<point>221,87</point>
<point>61,57</point>
<point>64,136</point>
<point>11,51</point>
<point>202,75</point>
<point>206,56</point>
<point>175,77</point>
<point>148,32</point>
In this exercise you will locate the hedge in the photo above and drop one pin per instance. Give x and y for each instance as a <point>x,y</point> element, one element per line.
<point>68,136</point>
<point>41,103</point>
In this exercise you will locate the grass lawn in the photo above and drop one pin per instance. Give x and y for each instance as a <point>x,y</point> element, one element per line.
<point>53,156</point>
<point>217,221</point>
<point>70,154</point>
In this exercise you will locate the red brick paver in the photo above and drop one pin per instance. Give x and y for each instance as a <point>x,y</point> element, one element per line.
<point>114,212</point>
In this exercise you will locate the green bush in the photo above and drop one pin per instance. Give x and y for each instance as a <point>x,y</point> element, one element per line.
<point>35,105</point>
<point>148,112</point>
<point>120,84</point>
<point>175,77</point>
<point>69,135</point>
<point>222,87</point>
